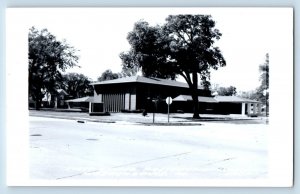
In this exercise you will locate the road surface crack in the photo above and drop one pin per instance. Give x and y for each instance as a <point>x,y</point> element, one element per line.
<point>150,160</point>
<point>125,165</point>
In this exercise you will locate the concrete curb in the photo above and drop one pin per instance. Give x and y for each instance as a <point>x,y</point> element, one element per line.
<point>183,122</point>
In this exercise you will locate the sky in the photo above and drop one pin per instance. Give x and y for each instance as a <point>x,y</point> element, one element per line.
<point>100,36</point>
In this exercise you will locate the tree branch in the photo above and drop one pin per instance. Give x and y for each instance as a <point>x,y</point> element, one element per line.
<point>181,36</point>
<point>187,78</point>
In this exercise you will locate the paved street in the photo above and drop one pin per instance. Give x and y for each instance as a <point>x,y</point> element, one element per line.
<point>63,149</point>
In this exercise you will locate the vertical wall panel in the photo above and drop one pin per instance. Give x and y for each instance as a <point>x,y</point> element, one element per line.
<point>108,102</point>
<point>114,99</point>
<point>122,101</point>
<point>127,101</point>
<point>98,98</point>
<point>118,102</point>
<point>104,102</point>
<point>112,103</point>
<point>243,108</point>
<point>133,102</point>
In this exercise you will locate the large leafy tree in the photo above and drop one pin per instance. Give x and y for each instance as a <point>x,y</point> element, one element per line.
<point>183,46</point>
<point>48,57</point>
<point>77,85</point>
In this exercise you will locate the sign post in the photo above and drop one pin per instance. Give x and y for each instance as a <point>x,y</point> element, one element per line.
<point>155,101</point>
<point>169,101</point>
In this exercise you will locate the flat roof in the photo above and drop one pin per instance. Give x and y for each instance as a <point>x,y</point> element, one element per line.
<point>200,98</point>
<point>216,99</point>
<point>83,99</point>
<point>142,79</point>
<point>233,99</point>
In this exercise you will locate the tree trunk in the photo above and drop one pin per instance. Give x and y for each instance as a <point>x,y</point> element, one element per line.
<point>38,100</point>
<point>196,105</point>
<point>193,86</point>
<point>38,104</point>
<point>195,96</point>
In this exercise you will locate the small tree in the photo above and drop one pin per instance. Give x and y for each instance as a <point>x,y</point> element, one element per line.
<point>48,57</point>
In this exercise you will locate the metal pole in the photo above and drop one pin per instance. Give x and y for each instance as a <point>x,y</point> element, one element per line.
<point>154,109</point>
<point>153,116</point>
<point>168,113</point>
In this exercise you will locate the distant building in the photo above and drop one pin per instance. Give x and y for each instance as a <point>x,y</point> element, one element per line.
<point>56,100</point>
<point>82,103</point>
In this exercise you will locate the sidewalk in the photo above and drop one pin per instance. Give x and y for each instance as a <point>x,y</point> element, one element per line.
<point>138,118</point>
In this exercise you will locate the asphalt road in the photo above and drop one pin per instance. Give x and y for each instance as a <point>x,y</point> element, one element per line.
<point>62,149</point>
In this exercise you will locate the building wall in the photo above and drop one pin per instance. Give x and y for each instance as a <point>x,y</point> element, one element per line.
<point>146,94</point>
<point>228,108</point>
<point>113,102</point>
<point>116,97</point>
<point>138,96</point>
<point>188,107</point>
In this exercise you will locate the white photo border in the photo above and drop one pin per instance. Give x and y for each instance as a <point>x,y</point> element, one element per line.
<point>281,114</point>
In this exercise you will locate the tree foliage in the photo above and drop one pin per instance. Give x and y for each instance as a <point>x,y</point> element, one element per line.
<point>226,91</point>
<point>183,46</point>
<point>263,89</point>
<point>148,51</point>
<point>48,57</point>
<point>108,75</point>
<point>261,93</point>
<point>76,85</point>
<point>252,94</point>
<point>264,77</point>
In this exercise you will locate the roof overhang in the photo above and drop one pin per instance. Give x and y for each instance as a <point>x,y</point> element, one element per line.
<point>145,80</point>
<point>83,99</point>
<point>216,99</point>
<point>184,98</point>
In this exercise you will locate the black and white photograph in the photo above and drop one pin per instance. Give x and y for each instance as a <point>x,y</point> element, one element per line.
<point>150,96</point>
